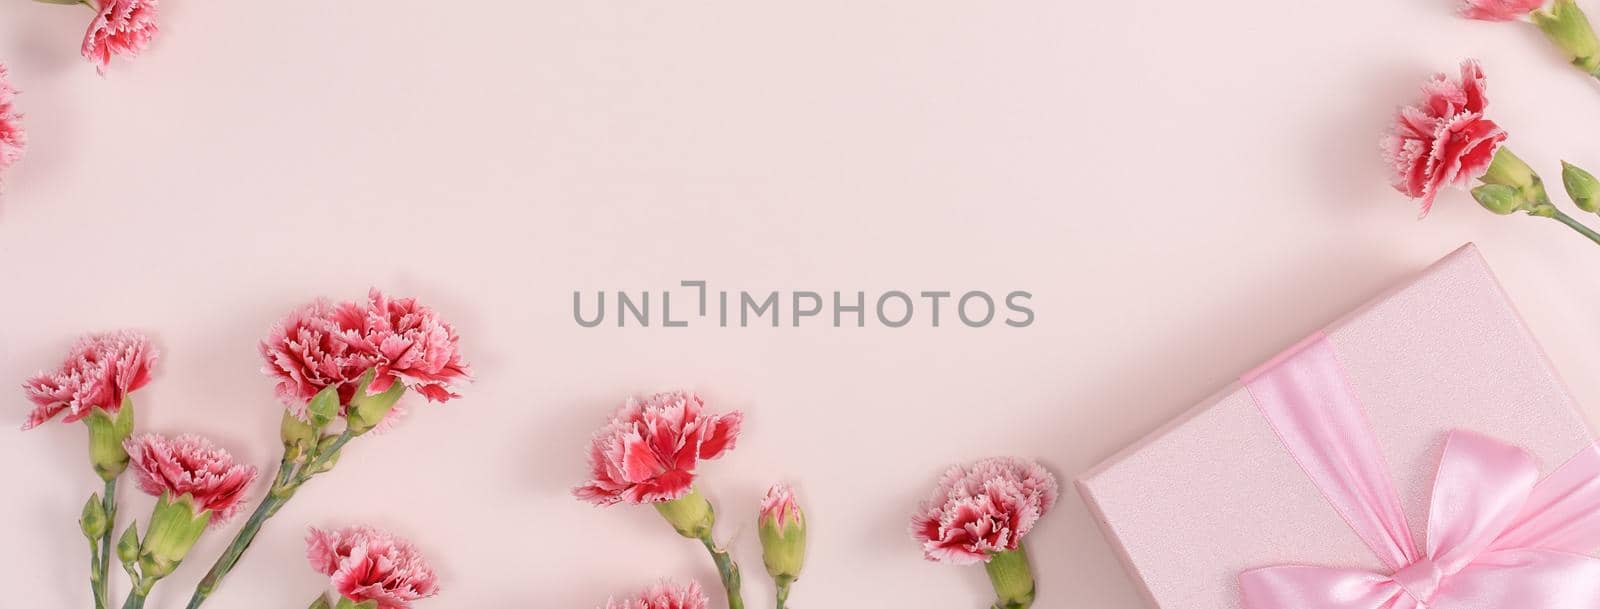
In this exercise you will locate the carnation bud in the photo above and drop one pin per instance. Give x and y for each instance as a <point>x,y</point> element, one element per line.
<point>1498,198</point>
<point>1012,579</point>
<point>128,545</point>
<point>174,527</point>
<point>106,435</point>
<point>323,407</point>
<point>1566,25</point>
<point>1581,186</point>
<point>93,522</point>
<point>782,527</point>
<point>366,411</point>
<point>691,516</point>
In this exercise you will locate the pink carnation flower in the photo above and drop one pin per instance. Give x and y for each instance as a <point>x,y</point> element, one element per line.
<point>190,465</point>
<point>12,139</point>
<point>321,345</point>
<point>122,27</point>
<point>99,372</point>
<point>983,509</point>
<point>1444,139</point>
<point>779,506</point>
<point>1499,10</point>
<point>664,595</point>
<point>649,450</point>
<point>369,564</point>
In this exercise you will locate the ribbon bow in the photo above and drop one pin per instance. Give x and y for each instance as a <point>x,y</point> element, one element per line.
<point>1498,537</point>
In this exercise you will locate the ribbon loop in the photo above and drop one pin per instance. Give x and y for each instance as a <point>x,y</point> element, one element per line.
<point>1498,537</point>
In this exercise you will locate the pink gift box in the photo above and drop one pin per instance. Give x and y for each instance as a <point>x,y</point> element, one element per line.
<point>1214,493</point>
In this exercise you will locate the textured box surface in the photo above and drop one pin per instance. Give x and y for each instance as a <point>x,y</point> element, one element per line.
<point>1214,493</point>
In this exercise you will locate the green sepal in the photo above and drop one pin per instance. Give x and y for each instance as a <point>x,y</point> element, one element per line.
<point>691,515</point>
<point>106,435</point>
<point>345,603</point>
<point>367,411</point>
<point>325,459</point>
<point>324,406</point>
<point>1566,26</point>
<point>175,525</point>
<point>298,436</point>
<point>320,603</point>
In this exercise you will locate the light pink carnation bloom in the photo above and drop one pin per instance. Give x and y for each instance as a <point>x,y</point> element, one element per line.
<point>983,509</point>
<point>649,450</point>
<point>1444,139</point>
<point>12,139</point>
<point>664,595</point>
<point>1499,10</point>
<point>322,345</point>
<point>99,372</point>
<point>370,564</point>
<point>779,506</point>
<point>190,465</point>
<point>122,27</point>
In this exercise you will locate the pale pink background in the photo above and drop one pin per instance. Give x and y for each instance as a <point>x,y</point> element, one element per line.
<point>1185,187</point>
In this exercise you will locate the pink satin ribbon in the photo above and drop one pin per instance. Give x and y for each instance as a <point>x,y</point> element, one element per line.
<point>1498,536</point>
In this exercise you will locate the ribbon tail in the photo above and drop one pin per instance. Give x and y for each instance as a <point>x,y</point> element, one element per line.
<point>1523,579</point>
<point>1304,587</point>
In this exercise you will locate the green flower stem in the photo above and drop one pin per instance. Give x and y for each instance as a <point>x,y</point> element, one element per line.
<point>783,592</point>
<point>726,569</point>
<point>102,555</point>
<point>1573,223</point>
<point>288,480</point>
<point>135,599</point>
<point>1012,579</point>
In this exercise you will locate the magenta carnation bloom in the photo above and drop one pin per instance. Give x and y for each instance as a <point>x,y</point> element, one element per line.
<point>664,595</point>
<point>190,465</point>
<point>983,509</point>
<point>370,564</point>
<point>409,343</point>
<point>99,372</point>
<point>1444,139</point>
<point>12,139</point>
<point>322,345</point>
<point>122,27</point>
<point>1499,10</point>
<point>649,450</point>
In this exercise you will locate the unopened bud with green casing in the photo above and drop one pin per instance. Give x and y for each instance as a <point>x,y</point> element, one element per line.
<point>1498,198</point>
<point>93,521</point>
<point>691,515</point>
<point>782,527</point>
<point>1581,186</point>
<point>367,411</point>
<point>128,545</point>
<point>1566,25</point>
<point>174,527</point>
<point>107,432</point>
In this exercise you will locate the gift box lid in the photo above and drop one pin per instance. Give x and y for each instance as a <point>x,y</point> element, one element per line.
<point>1214,493</point>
